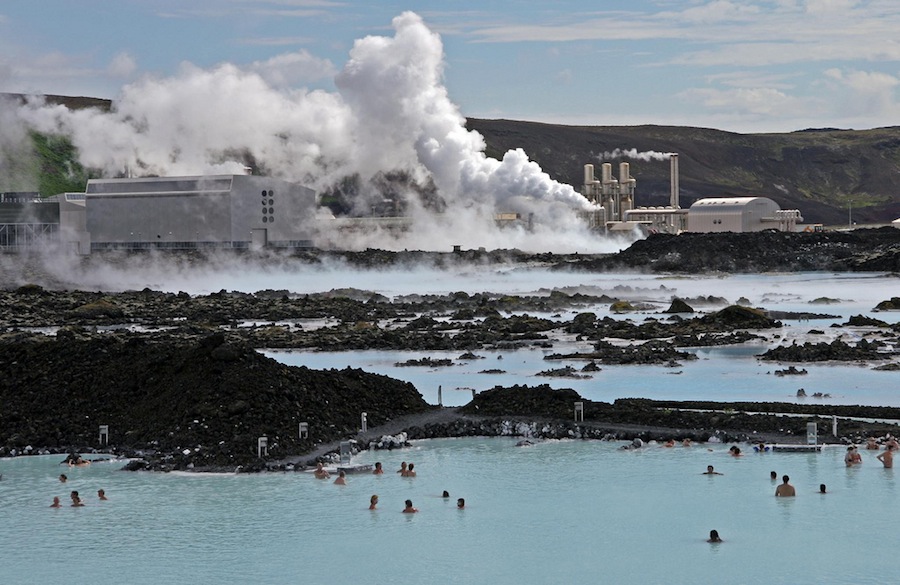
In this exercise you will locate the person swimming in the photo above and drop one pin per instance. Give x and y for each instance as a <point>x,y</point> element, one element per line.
<point>714,536</point>
<point>341,478</point>
<point>409,509</point>
<point>378,469</point>
<point>56,503</point>
<point>76,499</point>
<point>461,503</point>
<point>102,494</point>
<point>320,472</point>
<point>373,502</point>
<point>785,489</point>
<point>735,451</point>
<point>710,470</point>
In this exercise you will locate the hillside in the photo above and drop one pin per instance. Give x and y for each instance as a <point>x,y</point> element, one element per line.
<point>819,171</point>
<point>816,171</point>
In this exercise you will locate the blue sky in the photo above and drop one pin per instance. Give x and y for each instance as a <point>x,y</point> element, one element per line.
<point>744,66</point>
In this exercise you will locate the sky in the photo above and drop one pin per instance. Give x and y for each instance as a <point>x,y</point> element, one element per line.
<point>742,66</point>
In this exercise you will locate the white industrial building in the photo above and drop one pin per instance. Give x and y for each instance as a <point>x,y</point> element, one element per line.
<point>216,211</point>
<point>716,214</point>
<point>740,214</point>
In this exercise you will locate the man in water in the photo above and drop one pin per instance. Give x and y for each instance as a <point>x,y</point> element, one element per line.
<point>409,508</point>
<point>56,503</point>
<point>102,494</point>
<point>320,471</point>
<point>714,536</point>
<point>785,489</point>
<point>822,488</point>
<point>773,476</point>
<point>710,470</point>
<point>63,478</point>
<point>76,499</point>
<point>461,503</point>
<point>341,478</point>
<point>886,457</point>
<point>373,502</point>
<point>378,470</point>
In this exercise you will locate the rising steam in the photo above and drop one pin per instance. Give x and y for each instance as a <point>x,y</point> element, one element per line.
<point>633,153</point>
<point>391,114</point>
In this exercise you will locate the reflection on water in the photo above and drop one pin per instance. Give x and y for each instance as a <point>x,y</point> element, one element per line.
<point>584,511</point>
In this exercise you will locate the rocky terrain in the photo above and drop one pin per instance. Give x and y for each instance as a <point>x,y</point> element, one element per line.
<point>858,250</point>
<point>192,401</point>
<point>180,382</point>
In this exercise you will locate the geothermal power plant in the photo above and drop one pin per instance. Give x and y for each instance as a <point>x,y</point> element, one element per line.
<point>252,212</point>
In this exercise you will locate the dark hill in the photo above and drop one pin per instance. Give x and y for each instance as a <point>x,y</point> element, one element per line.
<point>206,396</point>
<point>818,173</point>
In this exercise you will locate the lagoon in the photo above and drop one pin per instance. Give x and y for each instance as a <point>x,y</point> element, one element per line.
<point>573,511</point>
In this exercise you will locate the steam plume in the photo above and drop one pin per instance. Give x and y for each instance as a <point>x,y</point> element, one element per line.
<point>391,113</point>
<point>633,153</point>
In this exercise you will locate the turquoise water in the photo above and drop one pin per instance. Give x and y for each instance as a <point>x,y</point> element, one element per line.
<point>724,374</point>
<point>559,511</point>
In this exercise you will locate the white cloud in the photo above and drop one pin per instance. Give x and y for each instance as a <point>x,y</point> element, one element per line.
<point>291,69</point>
<point>122,65</point>
<point>755,101</point>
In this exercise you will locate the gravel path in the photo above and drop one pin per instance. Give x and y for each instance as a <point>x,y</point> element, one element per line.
<point>438,415</point>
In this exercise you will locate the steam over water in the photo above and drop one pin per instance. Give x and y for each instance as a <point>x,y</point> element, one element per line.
<point>391,115</point>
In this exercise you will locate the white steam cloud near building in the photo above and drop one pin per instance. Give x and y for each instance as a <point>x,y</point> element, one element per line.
<point>391,113</point>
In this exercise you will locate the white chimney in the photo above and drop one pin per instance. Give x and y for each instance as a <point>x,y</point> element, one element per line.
<point>673,197</point>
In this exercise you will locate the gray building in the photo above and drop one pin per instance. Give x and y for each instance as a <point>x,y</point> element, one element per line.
<point>740,214</point>
<point>216,211</point>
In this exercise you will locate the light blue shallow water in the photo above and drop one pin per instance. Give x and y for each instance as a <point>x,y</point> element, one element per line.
<point>721,374</point>
<point>724,373</point>
<point>561,511</point>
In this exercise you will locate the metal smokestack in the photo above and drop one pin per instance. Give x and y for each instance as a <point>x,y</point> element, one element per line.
<point>673,197</point>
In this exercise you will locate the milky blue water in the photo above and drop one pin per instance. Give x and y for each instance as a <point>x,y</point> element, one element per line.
<point>560,511</point>
<point>723,373</point>
<point>573,512</point>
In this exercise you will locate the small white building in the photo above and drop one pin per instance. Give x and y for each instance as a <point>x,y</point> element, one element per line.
<point>740,214</point>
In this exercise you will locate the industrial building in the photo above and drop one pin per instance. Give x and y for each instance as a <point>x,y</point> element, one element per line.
<point>719,214</point>
<point>218,211</point>
<point>740,214</point>
<point>27,221</point>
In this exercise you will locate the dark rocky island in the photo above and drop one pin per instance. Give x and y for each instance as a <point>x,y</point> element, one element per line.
<point>180,382</point>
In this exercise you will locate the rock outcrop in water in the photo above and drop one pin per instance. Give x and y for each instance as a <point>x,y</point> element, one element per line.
<point>182,403</point>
